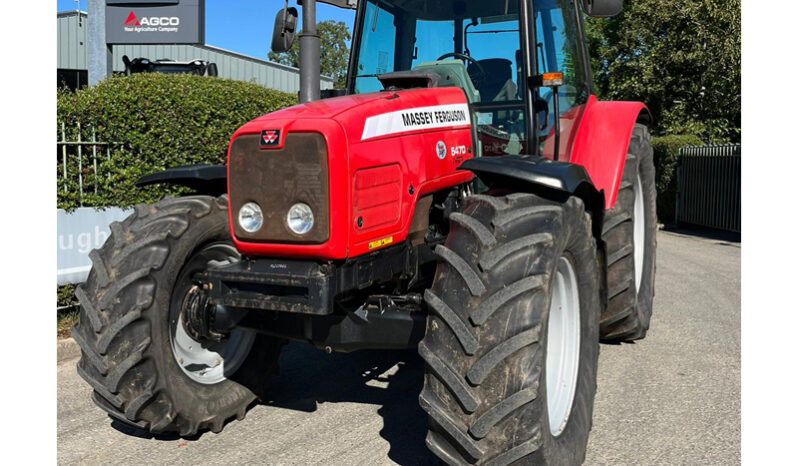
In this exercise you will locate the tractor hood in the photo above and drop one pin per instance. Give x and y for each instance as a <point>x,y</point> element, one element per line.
<point>360,163</point>
<point>395,112</point>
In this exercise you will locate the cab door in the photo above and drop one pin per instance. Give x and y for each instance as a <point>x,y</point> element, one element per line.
<point>559,47</point>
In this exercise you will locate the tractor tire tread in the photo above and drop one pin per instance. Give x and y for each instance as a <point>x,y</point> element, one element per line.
<point>113,329</point>
<point>626,316</point>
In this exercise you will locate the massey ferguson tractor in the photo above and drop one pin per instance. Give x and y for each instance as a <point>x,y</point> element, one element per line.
<point>465,195</point>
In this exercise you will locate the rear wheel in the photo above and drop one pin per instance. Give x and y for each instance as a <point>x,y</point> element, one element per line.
<point>145,369</point>
<point>511,347</point>
<point>629,234</point>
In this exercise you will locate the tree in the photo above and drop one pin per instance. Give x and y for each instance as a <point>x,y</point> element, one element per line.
<point>334,52</point>
<point>681,58</point>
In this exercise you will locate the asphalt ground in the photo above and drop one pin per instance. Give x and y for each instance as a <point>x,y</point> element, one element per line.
<point>673,398</point>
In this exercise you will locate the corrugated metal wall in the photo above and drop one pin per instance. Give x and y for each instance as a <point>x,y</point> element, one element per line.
<point>72,55</point>
<point>72,41</point>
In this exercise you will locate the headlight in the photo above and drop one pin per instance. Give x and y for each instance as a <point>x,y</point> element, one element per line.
<point>300,218</point>
<point>250,217</point>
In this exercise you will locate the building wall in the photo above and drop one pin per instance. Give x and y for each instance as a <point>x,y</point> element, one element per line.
<point>72,41</point>
<point>72,54</point>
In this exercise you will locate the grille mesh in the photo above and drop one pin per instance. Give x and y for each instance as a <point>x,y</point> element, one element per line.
<point>277,179</point>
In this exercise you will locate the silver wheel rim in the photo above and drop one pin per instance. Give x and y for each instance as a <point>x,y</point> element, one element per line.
<point>205,363</point>
<point>639,224</point>
<point>562,346</point>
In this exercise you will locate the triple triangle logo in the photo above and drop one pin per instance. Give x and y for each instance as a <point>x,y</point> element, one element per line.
<point>132,20</point>
<point>269,137</point>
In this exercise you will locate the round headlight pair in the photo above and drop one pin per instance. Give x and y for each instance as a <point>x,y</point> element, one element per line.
<point>299,218</point>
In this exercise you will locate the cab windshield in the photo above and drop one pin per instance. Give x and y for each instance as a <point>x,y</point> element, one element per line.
<point>476,42</point>
<point>484,37</point>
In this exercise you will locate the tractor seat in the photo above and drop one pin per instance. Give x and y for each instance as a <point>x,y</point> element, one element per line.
<point>498,84</point>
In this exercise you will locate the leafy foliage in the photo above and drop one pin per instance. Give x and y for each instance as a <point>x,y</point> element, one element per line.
<point>681,58</point>
<point>65,295</point>
<point>68,310</point>
<point>334,51</point>
<point>155,121</point>
<point>666,158</point>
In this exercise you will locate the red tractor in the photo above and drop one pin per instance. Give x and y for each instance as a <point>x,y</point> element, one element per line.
<point>466,195</point>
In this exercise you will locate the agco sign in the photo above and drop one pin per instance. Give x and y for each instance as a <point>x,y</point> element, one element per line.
<point>163,23</point>
<point>155,22</point>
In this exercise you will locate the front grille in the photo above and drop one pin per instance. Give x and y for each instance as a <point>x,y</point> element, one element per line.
<point>277,179</point>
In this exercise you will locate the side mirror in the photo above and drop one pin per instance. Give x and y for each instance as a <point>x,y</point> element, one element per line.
<point>602,8</point>
<point>284,30</point>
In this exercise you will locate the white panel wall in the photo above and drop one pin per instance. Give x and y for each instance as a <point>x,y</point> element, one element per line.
<point>72,55</point>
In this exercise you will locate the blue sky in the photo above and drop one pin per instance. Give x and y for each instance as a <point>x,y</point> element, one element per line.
<point>243,26</point>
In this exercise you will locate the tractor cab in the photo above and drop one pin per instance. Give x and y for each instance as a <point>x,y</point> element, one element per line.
<point>492,51</point>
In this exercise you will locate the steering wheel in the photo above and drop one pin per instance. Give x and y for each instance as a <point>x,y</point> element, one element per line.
<point>477,78</point>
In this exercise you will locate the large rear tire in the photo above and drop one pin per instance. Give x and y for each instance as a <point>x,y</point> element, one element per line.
<point>630,236</point>
<point>511,347</point>
<point>135,354</point>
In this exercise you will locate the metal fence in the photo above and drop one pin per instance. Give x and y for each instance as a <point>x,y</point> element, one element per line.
<point>83,171</point>
<point>709,184</point>
<point>80,157</point>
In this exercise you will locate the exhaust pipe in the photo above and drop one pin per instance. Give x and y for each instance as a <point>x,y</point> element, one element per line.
<point>309,55</point>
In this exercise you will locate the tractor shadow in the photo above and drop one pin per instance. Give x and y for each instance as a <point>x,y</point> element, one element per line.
<point>391,379</point>
<point>308,376</point>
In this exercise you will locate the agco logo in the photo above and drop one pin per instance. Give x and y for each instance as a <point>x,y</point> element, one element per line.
<point>149,23</point>
<point>269,137</point>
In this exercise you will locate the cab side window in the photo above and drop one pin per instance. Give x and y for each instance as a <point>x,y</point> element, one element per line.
<point>558,49</point>
<point>377,49</point>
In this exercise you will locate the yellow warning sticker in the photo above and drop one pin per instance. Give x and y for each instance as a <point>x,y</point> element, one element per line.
<point>381,242</point>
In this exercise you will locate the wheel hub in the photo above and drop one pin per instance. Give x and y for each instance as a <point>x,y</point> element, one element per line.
<point>562,347</point>
<point>205,356</point>
<point>197,314</point>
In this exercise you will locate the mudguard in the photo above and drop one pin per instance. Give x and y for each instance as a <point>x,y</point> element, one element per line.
<point>205,179</point>
<point>493,171</point>
<point>602,140</point>
<point>543,175</point>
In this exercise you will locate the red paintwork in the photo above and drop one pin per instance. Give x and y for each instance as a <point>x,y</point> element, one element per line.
<point>569,122</point>
<point>372,178</point>
<point>409,159</point>
<point>377,197</point>
<point>601,141</point>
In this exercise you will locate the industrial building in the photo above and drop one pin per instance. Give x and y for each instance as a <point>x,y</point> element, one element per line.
<point>73,60</point>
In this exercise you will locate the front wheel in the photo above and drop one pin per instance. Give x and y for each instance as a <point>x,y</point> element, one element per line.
<point>511,348</point>
<point>145,369</point>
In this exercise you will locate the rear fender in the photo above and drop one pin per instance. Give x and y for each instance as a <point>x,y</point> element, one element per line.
<point>602,141</point>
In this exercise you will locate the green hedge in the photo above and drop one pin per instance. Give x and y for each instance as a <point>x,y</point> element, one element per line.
<point>65,295</point>
<point>155,121</point>
<point>666,158</point>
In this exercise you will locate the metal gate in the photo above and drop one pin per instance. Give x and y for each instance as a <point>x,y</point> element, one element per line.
<point>709,182</point>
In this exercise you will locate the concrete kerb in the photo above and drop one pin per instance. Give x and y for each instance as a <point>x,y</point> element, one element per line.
<point>67,349</point>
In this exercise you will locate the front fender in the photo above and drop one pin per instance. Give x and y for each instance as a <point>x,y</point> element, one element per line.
<point>532,173</point>
<point>205,179</point>
<point>602,140</point>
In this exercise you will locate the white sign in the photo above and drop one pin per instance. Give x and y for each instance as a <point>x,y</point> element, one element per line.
<point>413,119</point>
<point>79,232</point>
